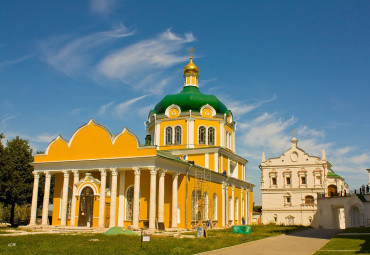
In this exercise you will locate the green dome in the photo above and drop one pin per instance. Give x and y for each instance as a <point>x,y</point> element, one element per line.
<point>190,98</point>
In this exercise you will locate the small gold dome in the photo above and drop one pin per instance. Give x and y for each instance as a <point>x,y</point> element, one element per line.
<point>191,68</point>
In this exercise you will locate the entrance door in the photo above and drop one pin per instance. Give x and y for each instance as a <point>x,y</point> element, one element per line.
<point>85,215</point>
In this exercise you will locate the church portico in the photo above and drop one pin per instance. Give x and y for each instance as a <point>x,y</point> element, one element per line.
<point>105,186</point>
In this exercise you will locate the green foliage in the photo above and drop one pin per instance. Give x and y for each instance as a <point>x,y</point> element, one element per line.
<point>16,174</point>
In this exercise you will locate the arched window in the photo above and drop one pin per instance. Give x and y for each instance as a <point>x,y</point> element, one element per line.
<point>202,135</point>
<point>230,208</point>
<point>236,209</point>
<point>309,200</point>
<point>211,136</point>
<point>177,135</point>
<point>214,211</point>
<point>168,135</point>
<point>205,209</point>
<point>129,203</point>
<point>242,209</point>
<point>194,204</point>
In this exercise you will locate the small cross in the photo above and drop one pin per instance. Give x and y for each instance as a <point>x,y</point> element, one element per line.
<point>191,52</point>
<point>293,132</point>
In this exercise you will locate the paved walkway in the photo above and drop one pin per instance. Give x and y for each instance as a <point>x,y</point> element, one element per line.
<point>304,242</point>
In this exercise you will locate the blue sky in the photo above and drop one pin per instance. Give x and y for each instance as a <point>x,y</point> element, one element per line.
<point>278,65</point>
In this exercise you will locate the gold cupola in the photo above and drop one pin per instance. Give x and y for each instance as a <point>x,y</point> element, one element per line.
<point>191,72</point>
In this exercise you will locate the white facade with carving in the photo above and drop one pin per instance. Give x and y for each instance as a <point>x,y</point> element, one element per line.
<point>291,184</point>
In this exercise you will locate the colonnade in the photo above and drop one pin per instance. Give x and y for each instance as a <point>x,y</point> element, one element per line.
<point>228,207</point>
<point>113,203</point>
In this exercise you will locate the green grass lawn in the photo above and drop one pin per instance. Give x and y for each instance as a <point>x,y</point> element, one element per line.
<point>348,244</point>
<point>123,244</point>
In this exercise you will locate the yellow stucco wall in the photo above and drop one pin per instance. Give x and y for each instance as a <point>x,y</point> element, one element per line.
<point>82,146</point>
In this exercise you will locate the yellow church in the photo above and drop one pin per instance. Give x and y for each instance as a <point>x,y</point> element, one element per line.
<point>186,174</point>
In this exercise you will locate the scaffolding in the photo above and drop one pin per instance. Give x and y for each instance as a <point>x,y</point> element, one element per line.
<point>201,197</point>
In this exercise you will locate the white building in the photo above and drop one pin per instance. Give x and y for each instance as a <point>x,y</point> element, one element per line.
<point>345,212</point>
<point>291,184</point>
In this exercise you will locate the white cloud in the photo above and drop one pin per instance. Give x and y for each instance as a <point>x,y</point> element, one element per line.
<point>4,121</point>
<point>267,132</point>
<point>14,61</point>
<point>72,55</point>
<point>103,109</point>
<point>44,138</point>
<point>141,65</point>
<point>361,159</point>
<point>124,107</point>
<point>239,108</point>
<point>102,7</point>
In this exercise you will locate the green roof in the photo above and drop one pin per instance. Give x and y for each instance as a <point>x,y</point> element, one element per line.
<point>331,172</point>
<point>190,98</point>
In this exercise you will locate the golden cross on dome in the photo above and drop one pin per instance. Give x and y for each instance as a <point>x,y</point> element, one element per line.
<point>191,52</point>
<point>293,132</point>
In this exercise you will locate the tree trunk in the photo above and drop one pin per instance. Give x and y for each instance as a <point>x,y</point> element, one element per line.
<point>12,210</point>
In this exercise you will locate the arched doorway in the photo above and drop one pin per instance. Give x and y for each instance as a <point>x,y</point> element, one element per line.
<point>355,216</point>
<point>85,215</point>
<point>332,190</point>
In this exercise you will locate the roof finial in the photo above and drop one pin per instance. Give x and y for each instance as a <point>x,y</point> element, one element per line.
<point>293,133</point>
<point>191,53</point>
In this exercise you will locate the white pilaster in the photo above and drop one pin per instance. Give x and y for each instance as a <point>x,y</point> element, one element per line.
<point>191,134</point>
<point>76,178</point>
<point>157,132</point>
<point>222,134</point>
<point>174,200</point>
<point>103,181</point>
<point>121,199</point>
<point>162,175</point>
<point>63,220</point>
<point>206,160</point>
<point>113,198</point>
<point>247,218</point>
<point>136,214</point>
<point>242,200</point>
<point>153,192</point>
<point>36,178</point>
<point>45,205</point>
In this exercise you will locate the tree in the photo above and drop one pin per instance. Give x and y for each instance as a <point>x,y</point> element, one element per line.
<point>16,177</point>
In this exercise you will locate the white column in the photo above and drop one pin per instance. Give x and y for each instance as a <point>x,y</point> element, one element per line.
<point>232,205</point>
<point>136,214</point>
<point>63,220</point>
<point>174,200</point>
<point>103,180</point>
<point>113,198</point>
<point>36,179</point>
<point>153,193</point>
<point>45,205</point>
<point>223,204</point>
<point>121,199</point>
<point>76,179</point>
<point>162,175</point>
